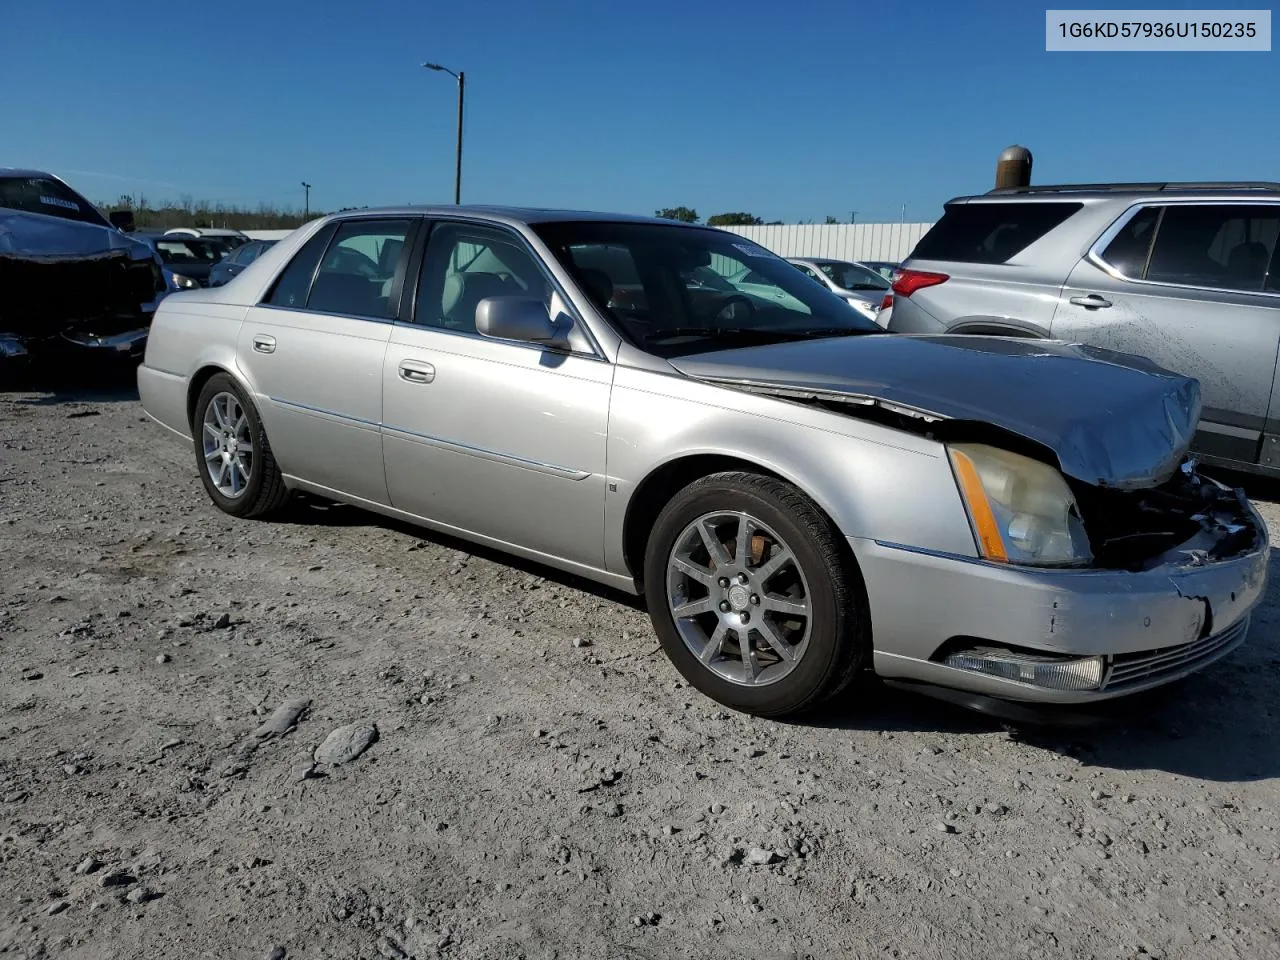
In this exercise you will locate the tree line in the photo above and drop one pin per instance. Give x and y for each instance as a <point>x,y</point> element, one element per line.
<point>189,212</point>
<point>739,219</point>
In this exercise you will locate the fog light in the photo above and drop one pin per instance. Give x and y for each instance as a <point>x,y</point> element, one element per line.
<point>1053,673</point>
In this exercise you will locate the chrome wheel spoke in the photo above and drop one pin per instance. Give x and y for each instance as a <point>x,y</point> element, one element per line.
<point>714,644</point>
<point>775,642</point>
<point>750,669</point>
<point>691,608</point>
<point>743,542</point>
<point>786,605</point>
<point>692,570</point>
<point>771,566</point>
<point>213,456</point>
<point>719,555</point>
<point>211,430</point>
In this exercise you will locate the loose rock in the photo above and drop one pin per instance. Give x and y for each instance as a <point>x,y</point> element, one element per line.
<point>759,857</point>
<point>140,894</point>
<point>87,866</point>
<point>346,743</point>
<point>283,719</point>
<point>116,878</point>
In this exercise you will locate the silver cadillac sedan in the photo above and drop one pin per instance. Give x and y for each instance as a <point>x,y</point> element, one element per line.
<point>798,495</point>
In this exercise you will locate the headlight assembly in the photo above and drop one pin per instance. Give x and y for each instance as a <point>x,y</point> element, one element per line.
<point>1021,510</point>
<point>184,283</point>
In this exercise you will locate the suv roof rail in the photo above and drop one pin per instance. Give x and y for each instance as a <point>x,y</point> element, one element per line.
<point>1221,185</point>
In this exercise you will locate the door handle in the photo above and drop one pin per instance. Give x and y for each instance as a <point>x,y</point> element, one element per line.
<point>416,371</point>
<point>264,344</point>
<point>1092,300</point>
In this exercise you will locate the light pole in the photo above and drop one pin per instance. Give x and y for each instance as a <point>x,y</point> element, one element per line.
<point>461,77</point>
<point>306,204</point>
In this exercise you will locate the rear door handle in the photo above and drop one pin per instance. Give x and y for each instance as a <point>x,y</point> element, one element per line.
<point>417,371</point>
<point>264,344</point>
<point>1092,300</point>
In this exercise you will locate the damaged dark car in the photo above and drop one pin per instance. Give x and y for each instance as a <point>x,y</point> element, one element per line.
<point>675,411</point>
<point>73,280</point>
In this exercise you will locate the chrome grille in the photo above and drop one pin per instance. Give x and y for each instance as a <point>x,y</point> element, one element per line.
<point>1128,669</point>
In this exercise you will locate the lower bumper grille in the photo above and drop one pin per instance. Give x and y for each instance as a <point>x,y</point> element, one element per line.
<point>1131,669</point>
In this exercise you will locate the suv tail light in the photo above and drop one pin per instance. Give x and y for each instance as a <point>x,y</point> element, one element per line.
<point>887,302</point>
<point>907,282</point>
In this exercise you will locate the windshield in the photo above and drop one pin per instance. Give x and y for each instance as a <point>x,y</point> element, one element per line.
<point>852,276</point>
<point>673,290</point>
<point>54,199</point>
<point>189,250</point>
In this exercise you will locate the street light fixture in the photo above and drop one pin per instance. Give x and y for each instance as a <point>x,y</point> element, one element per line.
<point>306,208</point>
<point>461,77</point>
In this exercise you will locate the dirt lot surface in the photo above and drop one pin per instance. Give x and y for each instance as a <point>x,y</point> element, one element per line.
<point>541,784</point>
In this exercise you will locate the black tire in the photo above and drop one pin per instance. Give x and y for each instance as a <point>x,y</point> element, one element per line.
<point>265,492</point>
<point>839,639</point>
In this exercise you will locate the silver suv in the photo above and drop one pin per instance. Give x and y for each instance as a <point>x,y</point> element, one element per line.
<point>1186,274</point>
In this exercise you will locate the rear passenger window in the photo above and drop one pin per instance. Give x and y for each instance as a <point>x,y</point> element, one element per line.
<point>990,232</point>
<point>1224,246</point>
<point>1129,249</point>
<point>293,285</point>
<point>358,271</point>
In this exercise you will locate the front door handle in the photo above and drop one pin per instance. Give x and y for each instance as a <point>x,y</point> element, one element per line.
<point>417,371</point>
<point>1093,301</point>
<point>264,344</point>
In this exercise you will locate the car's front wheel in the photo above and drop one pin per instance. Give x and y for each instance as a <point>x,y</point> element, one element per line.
<point>232,452</point>
<point>752,596</point>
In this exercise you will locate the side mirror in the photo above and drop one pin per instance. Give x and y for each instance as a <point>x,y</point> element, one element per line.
<point>122,220</point>
<point>518,318</point>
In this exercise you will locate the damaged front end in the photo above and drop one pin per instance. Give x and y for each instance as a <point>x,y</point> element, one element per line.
<point>86,303</point>
<point>1187,521</point>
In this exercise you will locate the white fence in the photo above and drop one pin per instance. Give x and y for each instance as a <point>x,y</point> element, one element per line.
<point>839,241</point>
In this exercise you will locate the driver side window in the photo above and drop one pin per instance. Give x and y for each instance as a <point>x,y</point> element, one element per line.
<point>463,265</point>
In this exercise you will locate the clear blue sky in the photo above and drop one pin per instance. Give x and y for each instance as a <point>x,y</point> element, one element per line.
<point>790,110</point>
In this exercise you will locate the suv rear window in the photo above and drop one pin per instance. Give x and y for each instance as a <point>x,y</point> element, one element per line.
<point>990,232</point>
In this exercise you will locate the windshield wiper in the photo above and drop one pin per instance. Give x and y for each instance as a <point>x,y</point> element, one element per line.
<point>755,333</point>
<point>729,333</point>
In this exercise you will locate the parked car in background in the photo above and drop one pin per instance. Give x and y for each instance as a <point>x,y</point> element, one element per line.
<point>861,286</point>
<point>798,495</point>
<point>188,259</point>
<point>1186,274</point>
<point>235,261</point>
<point>70,277</point>
<point>886,268</point>
<point>228,238</point>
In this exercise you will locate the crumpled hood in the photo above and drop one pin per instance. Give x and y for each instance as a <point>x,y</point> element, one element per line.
<point>1112,419</point>
<point>37,235</point>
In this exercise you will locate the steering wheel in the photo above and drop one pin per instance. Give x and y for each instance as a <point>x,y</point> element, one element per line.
<point>735,298</point>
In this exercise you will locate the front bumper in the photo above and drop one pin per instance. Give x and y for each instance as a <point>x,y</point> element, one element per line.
<point>131,344</point>
<point>1152,627</point>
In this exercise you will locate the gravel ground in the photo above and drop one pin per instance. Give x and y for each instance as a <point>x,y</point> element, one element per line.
<point>521,773</point>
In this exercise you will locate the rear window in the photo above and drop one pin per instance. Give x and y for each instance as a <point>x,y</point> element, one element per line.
<point>990,232</point>
<point>42,195</point>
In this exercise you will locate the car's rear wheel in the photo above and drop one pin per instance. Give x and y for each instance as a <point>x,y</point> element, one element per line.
<point>232,452</point>
<point>752,596</point>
